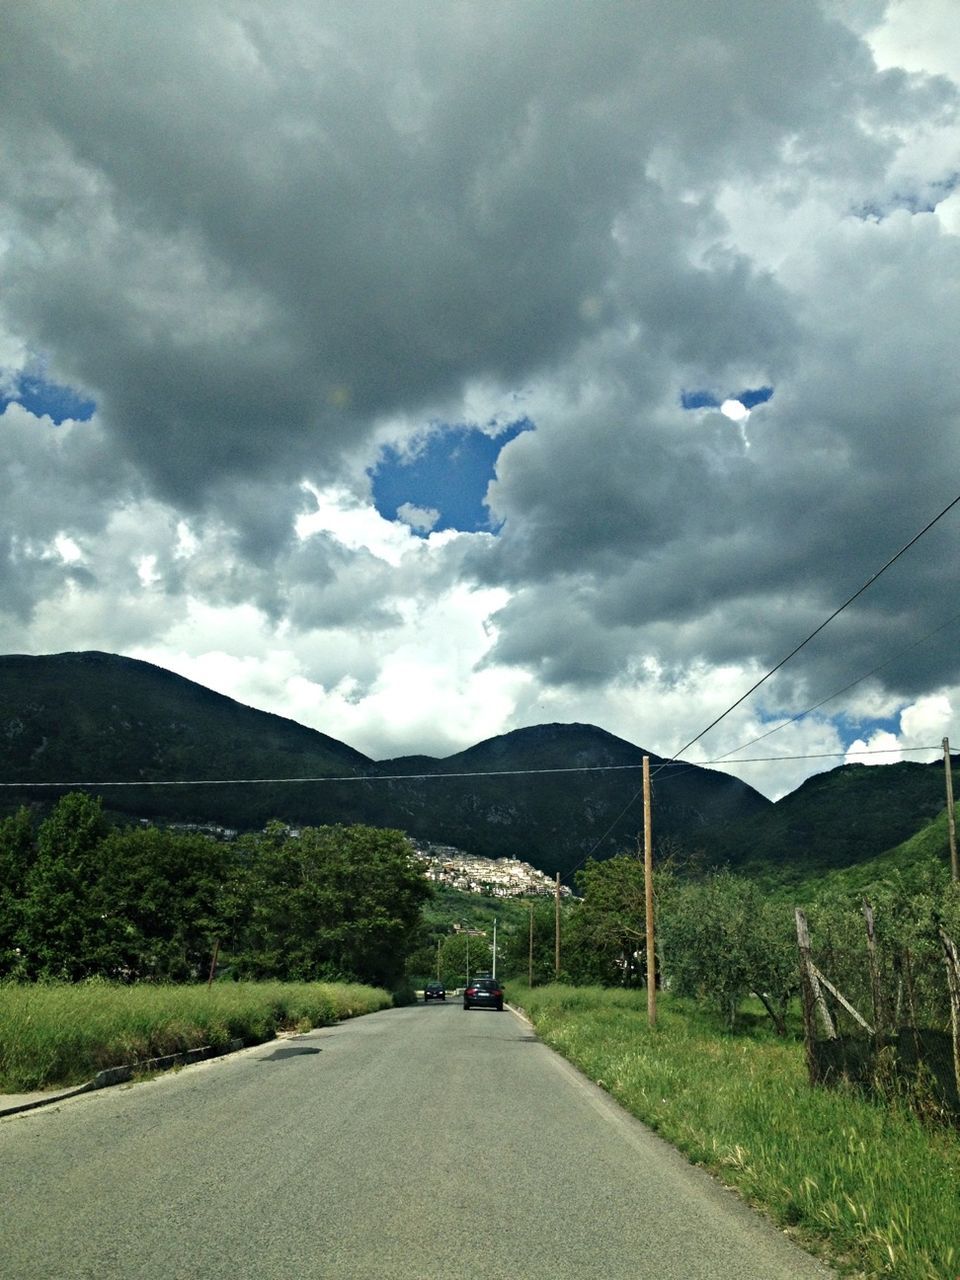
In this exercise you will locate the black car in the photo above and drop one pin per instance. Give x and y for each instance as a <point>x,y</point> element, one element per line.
<point>483,993</point>
<point>434,991</point>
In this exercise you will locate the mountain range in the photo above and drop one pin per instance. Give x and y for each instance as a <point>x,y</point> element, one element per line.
<point>97,718</point>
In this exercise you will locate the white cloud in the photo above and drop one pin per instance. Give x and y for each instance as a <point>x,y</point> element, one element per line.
<point>918,35</point>
<point>880,747</point>
<point>418,518</point>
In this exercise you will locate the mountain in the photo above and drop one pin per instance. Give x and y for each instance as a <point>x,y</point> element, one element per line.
<point>560,812</point>
<point>920,863</point>
<point>92,717</point>
<point>835,819</point>
<point>96,717</point>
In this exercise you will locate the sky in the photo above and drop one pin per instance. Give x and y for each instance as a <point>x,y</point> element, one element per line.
<point>422,372</point>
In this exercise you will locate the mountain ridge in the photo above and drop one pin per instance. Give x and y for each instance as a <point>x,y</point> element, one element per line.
<point>100,717</point>
<point>550,794</point>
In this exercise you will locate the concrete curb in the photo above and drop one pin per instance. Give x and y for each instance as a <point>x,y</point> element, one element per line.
<point>12,1104</point>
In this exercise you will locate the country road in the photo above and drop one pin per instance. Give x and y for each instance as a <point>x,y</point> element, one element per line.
<point>414,1143</point>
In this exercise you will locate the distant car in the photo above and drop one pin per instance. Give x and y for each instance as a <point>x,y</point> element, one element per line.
<point>434,991</point>
<point>483,993</point>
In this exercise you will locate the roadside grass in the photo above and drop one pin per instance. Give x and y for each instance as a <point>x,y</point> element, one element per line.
<point>62,1033</point>
<point>865,1185</point>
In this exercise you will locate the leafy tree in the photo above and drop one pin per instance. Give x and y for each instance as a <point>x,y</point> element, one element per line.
<point>328,902</point>
<point>609,927</point>
<point>722,939</point>
<point>66,929</point>
<point>515,949</point>
<point>16,857</point>
<point>165,891</point>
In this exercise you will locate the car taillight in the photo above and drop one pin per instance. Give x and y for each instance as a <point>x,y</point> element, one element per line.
<point>471,991</point>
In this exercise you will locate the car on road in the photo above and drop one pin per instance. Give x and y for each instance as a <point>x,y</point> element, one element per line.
<point>434,991</point>
<point>483,993</point>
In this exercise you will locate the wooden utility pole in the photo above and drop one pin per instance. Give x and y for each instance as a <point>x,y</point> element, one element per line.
<point>879,1019</point>
<point>648,887</point>
<point>556,931</point>
<point>951,816</point>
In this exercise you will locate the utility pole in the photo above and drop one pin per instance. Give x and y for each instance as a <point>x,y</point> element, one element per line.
<point>648,887</point>
<point>438,959</point>
<point>556,946</point>
<point>951,816</point>
<point>494,946</point>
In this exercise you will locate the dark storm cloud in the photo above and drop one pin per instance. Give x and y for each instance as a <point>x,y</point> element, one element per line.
<point>250,232</point>
<point>257,237</point>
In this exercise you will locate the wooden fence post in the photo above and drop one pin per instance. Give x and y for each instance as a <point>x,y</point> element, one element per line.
<point>812,998</point>
<point>879,1020</point>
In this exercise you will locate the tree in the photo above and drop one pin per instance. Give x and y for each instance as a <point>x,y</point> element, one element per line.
<point>66,929</point>
<point>17,852</point>
<point>166,892</point>
<point>722,939</point>
<point>329,902</point>
<point>609,927</point>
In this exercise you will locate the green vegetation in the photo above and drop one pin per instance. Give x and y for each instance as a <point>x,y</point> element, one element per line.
<point>912,864</point>
<point>61,1033</point>
<point>452,915</point>
<point>868,1184</point>
<point>80,899</point>
<point>834,820</point>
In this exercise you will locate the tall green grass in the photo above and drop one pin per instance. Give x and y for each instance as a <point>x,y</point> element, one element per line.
<point>60,1033</point>
<point>866,1184</point>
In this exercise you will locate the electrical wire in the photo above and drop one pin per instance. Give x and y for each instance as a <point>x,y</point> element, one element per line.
<point>682,766</point>
<point>793,652</point>
<point>829,698</point>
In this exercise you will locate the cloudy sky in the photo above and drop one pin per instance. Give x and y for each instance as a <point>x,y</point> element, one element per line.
<point>426,371</point>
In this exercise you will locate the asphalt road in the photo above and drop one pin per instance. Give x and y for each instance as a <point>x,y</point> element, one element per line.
<point>415,1143</point>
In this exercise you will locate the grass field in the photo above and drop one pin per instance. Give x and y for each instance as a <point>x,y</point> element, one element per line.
<point>866,1185</point>
<point>58,1033</point>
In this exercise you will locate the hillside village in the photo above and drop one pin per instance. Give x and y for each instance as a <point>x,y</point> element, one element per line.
<point>495,877</point>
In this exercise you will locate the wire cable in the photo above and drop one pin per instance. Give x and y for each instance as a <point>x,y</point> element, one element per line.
<point>793,652</point>
<point>829,698</point>
<point>682,766</point>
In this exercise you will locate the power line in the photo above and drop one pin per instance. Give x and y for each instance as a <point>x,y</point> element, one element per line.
<point>682,766</point>
<point>793,652</point>
<point>783,661</point>
<point>829,698</point>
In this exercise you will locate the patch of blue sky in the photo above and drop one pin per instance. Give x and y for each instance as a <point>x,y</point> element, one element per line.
<point>49,399</point>
<point>851,729</point>
<point>449,474</point>
<point>749,398</point>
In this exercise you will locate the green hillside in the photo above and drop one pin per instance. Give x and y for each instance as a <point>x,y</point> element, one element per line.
<point>88,717</point>
<point>94,717</point>
<point>918,863</point>
<point>554,819</point>
<point>836,819</point>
